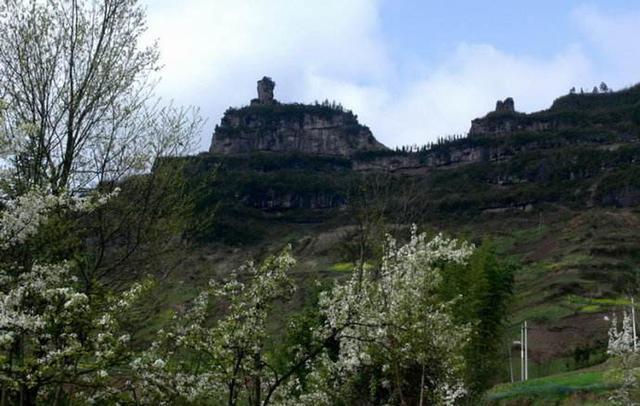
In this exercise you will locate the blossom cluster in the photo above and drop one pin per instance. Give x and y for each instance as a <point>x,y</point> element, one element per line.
<point>192,361</point>
<point>621,339</point>
<point>23,216</point>
<point>391,318</point>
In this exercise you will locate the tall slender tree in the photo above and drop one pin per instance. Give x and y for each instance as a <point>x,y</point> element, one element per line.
<point>75,77</point>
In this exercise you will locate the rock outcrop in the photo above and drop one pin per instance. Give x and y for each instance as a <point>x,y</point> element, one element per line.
<point>506,120</point>
<point>265,92</point>
<point>266,125</point>
<point>506,106</point>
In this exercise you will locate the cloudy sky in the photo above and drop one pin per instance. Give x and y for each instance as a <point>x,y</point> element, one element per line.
<point>412,70</point>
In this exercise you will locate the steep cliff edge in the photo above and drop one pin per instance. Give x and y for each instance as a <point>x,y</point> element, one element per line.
<point>618,112</point>
<point>267,125</point>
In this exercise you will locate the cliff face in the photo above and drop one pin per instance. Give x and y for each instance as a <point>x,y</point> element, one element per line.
<point>615,112</point>
<point>267,125</point>
<point>506,120</point>
<point>579,140</point>
<point>309,129</point>
<point>499,124</point>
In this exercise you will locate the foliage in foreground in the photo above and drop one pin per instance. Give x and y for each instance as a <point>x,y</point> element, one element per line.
<point>385,335</point>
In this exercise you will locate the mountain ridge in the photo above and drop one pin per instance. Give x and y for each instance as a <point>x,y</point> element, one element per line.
<point>563,200</point>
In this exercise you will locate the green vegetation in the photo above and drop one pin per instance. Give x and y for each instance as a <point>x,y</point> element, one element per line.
<point>555,389</point>
<point>271,115</point>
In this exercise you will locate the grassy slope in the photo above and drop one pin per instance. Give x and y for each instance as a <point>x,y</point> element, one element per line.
<point>583,387</point>
<point>569,279</point>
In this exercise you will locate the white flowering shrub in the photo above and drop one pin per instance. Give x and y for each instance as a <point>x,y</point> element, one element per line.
<point>396,338</point>
<point>196,360</point>
<point>52,334</point>
<point>620,339</point>
<point>621,346</point>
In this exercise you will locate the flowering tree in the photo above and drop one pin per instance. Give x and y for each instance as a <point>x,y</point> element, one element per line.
<point>620,338</point>
<point>396,339</point>
<point>621,346</point>
<point>196,361</point>
<point>52,334</point>
<point>76,119</point>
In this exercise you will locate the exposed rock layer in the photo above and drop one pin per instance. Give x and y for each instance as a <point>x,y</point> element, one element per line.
<point>309,129</point>
<point>267,125</point>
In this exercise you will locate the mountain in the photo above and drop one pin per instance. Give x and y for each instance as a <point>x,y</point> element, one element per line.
<point>556,190</point>
<point>267,125</point>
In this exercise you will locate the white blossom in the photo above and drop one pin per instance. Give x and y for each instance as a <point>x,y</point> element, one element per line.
<point>393,316</point>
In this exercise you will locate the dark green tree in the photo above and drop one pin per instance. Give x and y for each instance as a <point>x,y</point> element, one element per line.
<point>484,288</point>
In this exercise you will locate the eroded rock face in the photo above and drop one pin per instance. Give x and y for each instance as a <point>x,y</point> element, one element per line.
<point>265,92</point>
<point>506,106</point>
<point>267,125</point>
<point>503,125</point>
<point>506,120</point>
<point>292,128</point>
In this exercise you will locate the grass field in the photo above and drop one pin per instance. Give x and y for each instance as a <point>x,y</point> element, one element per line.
<point>584,387</point>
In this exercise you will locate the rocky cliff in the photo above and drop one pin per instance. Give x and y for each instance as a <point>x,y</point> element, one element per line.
<point>267,125</point>
<point>506,120</point>
<point>616,112</point>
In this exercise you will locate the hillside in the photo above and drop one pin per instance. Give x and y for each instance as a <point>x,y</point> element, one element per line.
<point>557,191</point>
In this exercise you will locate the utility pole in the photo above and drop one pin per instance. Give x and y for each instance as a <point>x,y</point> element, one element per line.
<point>510,364</point>
<point>526,351</point>
<point>540,220</point>
<point>522,352</point>
<point>633,321</point>
<point>524,361</point>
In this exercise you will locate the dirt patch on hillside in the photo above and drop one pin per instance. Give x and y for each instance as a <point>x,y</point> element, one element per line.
<point>560,338</point>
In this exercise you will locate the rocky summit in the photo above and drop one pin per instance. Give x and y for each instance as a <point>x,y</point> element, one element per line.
<point>267,125</point>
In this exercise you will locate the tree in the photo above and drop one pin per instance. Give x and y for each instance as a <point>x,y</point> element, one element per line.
<point>79,126</point>
<point>397,340</point>
<point>79,103</point>
<point>52,334</point>
<point>77,88</point>
<point>377,202</point>
<point>604,88</point>
<point>486,284</point>
<point>227,362</point>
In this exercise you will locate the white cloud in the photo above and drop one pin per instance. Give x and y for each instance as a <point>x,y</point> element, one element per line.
<point>464,86</point>
<point>214,51</point>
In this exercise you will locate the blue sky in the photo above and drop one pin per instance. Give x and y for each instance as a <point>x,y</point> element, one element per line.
<point>412,70</point>
<point>429,29</point>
